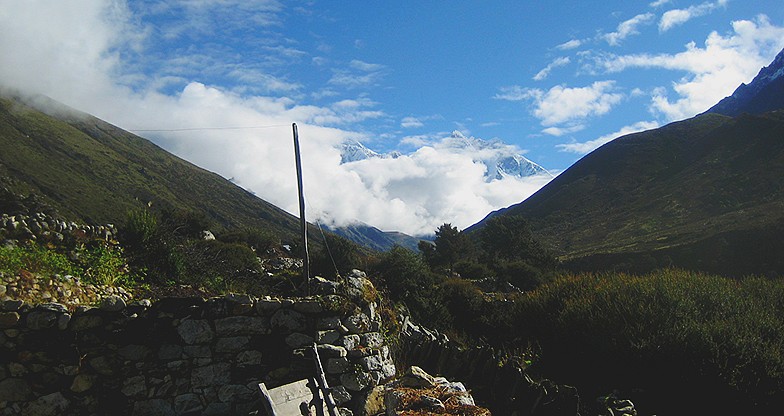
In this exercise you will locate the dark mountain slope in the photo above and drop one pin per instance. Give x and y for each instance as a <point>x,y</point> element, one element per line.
<point>764,93</point>
<point>692,194</point>
<point>92,171</point>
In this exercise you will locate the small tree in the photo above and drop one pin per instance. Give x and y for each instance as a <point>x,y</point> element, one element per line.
<point>451,246</point>
<point>509,238</point>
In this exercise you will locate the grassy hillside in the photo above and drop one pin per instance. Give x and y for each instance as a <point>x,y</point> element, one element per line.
<point>705,193</point>
<point>92,171</point>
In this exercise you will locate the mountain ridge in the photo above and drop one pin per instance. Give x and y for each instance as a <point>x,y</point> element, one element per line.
<point>499,159</point>
<point>705,193</point>
<point>764,93</point>
<point>92,171</point>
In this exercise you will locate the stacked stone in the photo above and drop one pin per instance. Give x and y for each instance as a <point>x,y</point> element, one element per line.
<point>186,356</point>
<point>40,226</point>
<point>64,289</point>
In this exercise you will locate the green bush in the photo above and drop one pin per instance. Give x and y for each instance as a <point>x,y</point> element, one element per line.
<point>410,282</point>
<point>106,265</point>
<point>35,259</point>
<point>669,332</point>
<point>140,227</point>
<point>219,266</point>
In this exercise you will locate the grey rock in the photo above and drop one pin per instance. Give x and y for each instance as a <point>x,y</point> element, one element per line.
<point>297,340</point>
<point>323,286</point>
<point>83,382</point>
<point>169,352</point>
<point>337,365</point>
<point>329,322</point>
<point>187,403</point>
<point>234,393</point>
<point>85,322</point>
<point>341,395</point>
<point>242,325</point>
<point>350,342</point>
<point>416,377</point>
<point>134,387</point>
<point>41,319</point>
<point>217,409</point>
<point>372,340</point>
<point>194,331</point>
<point>112,303</point>
<point>357,381</point>
<point>267,305</point>
<point>357,323</point>
<point>103,365</point>
<point>211,375</point>
<point>8,319</point>
<point>371,362</point>
<point>433,404</point>
<point>308,306</point>
<point>232,344</point>
<point>153,407</point>
<point>197,351</point>
<point>286,320</point>
<point>134,352</point>
<point>331,351</point>
<point>248,358</point>
<point>53,404</point>
<point>62,321</point>
<point>327,337</point>
<point>14,390</point>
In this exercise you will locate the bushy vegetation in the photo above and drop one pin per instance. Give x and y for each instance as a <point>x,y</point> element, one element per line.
<point>167,247</point>
<point>97,263</point>
<point>677,338</point>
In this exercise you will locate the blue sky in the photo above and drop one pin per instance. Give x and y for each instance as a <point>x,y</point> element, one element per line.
<point>552,80</point>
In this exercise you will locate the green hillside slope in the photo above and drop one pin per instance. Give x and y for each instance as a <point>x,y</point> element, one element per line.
<point>92,171</point>
<point>704,193</point>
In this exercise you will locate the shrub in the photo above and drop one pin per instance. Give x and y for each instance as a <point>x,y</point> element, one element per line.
<point>106,265</point>
<point>410,282</point>
<point>681,335</point>
<point>140,227</point>
<point>35,259</point>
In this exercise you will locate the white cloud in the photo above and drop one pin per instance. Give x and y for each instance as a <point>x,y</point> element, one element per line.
<point>712,72</point>
<point>627,28</point>
<point>444,175</point>
<point>563,104</point>
<point>358,74</point>
<point>561,61</point>
<point>589,146</point>
<point>676,17</point>
<point>411,122</point>
<point>658,3</point>
<point>560,131</point>
<point>365,66</point>
<point>572,44</point>
<point>74,48</point>
<point>517,93</point>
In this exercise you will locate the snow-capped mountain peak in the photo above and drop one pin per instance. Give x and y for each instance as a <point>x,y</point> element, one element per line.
<point>500,159</point>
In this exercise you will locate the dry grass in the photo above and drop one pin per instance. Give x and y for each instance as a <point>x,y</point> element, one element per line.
<point>411,403</point>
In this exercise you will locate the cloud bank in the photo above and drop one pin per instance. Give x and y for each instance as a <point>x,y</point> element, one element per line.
<point>96,56</point>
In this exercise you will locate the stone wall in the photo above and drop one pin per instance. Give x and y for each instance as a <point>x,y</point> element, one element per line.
<point>501,385</point>
<point>187,356</point>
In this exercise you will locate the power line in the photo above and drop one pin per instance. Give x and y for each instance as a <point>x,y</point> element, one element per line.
<point>208,128</point>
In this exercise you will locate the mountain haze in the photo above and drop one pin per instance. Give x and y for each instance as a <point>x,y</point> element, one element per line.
<point>92,171</point>
<point>706,193</point>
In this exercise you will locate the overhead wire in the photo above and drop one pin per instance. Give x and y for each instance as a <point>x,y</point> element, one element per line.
<point>208,128</point>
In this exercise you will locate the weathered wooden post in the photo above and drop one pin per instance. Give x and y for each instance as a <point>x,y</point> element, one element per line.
<point>303,223</point>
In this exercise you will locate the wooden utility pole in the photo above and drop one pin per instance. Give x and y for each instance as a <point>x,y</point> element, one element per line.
<point>303,223</point>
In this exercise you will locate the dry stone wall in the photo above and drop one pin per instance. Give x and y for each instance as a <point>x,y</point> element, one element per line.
<point>187,356</point>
